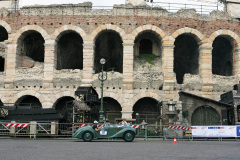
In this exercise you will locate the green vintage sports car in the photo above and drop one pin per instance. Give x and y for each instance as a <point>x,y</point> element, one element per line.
<point>108,131</point>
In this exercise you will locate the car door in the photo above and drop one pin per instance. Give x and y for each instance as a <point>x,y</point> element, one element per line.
<point>108,131</point>
<point>103,133</point>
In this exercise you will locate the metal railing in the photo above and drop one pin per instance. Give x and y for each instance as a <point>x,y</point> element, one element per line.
<point>170,7</point>
<point>174,7</point>
<point>201,9</point>
<point>54,129</point>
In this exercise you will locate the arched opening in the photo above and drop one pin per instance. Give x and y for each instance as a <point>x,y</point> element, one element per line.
<point>32,46</point>
<point>65,106</point>
<point>205,115</point>
<point>2,63</point>
<point>147,46</point>
<point>148,109</point>
<point>70,51</point>
<point>29,102</point>
<point>3,34</point>
<point>186,56</point>
<point>108,45</point>
<point>222,57</point>
<point>112,109</point>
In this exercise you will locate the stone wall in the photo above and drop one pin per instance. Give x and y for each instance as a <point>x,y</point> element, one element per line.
<point>114,80</point>
<point>28,77</point>
<point>2,77</point>
<point>67,77</point>
<point>146,75</point>
<point>2,49</point>
<point>192,82</point>
<point>224,83</point>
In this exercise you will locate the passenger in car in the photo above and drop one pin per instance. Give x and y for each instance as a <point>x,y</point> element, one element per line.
<point>95,127</point>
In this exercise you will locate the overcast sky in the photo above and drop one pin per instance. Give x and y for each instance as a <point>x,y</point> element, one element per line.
<point>108,2</point>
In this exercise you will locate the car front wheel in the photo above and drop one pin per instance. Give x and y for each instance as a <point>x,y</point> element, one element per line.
<point>128,136</point>
<point>87,136</point>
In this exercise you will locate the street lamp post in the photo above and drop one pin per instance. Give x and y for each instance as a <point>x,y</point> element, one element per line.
<point>102,76</point>
<point>171,111</point>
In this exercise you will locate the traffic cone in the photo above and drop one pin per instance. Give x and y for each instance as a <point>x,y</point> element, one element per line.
<point>175,141</point>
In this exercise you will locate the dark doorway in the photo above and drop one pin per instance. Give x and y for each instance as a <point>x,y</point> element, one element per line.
<point>3,34</point>
<point>112,109</point>
<point>186,57</point>
<point>222,58</point>
<point>65,104</point>
<point>148,110</point>
<point>108,45</point>
<point>70,51</point>
<point>33,46</point>
<point>145,46</point>
<point>2,63</point>
<point>29,102</point>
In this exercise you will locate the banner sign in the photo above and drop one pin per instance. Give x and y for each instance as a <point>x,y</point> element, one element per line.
<point>215,131</point>
<point>238,131</point>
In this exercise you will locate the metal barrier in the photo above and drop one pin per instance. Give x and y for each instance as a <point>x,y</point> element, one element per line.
<point>35,129</point>
<point>54,129</point>
<point>163,131</point>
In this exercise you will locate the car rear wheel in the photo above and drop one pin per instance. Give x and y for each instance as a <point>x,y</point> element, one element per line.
<point>128,136</point>
<point>87,136</point>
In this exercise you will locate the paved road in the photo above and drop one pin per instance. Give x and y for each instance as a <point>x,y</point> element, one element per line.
<point>68,149</point>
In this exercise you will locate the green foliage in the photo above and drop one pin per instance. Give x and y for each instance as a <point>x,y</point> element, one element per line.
<point>148,57</point>
<point>178,111</point>
<point>185,113</point>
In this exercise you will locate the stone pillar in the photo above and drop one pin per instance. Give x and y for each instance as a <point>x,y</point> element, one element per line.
<point>12,129</point>
<point>88,63</point>
<point>237,63</point>
<point>11,65</point>
<point>128,58</point>
<point>127,114</point>
<point>54,127</point>
<point>33,128</point>
<point>50,60</point>
<point>167,65</point>
<point>205,69</point>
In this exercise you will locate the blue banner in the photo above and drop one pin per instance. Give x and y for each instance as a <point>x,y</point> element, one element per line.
<point>238,131</point>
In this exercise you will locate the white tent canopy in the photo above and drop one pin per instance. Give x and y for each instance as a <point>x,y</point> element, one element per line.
<point>233,8</point>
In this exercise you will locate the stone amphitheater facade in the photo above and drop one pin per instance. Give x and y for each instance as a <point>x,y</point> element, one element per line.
<point>137,80</point>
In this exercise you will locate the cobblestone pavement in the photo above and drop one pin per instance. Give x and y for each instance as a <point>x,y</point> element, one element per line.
<point>69,149</point>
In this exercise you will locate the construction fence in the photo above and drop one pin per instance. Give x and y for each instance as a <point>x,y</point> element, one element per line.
<point>35,130</point>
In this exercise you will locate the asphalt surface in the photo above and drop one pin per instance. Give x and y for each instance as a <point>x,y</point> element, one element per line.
<point>69,149</point>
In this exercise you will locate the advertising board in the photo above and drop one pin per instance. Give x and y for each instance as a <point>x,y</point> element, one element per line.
<point>215,131</point>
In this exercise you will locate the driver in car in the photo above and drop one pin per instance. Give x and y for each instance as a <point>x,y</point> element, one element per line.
<point>95,127</point>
